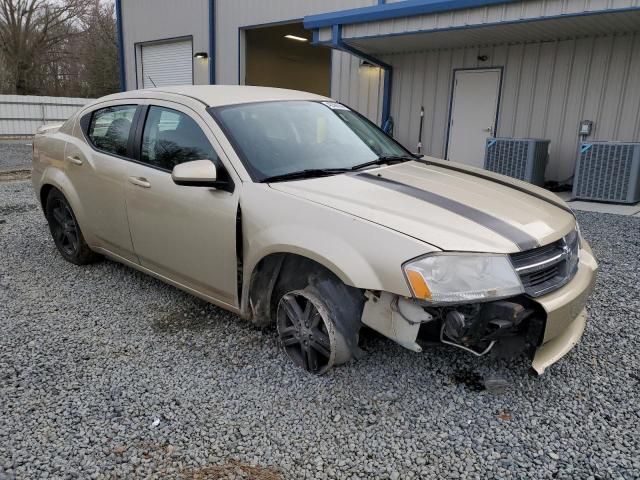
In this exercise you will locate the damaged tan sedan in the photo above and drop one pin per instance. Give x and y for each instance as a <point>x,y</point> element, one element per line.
<point>290,208</point>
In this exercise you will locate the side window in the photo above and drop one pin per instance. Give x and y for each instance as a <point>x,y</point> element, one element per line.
<point>109,128</point>
<point>171,137</point>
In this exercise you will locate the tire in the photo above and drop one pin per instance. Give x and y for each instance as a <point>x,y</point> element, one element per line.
<point>65,230</point>
<point>318,325</point>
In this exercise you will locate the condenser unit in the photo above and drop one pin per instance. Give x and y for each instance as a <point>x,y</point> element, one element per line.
<point>608,172</point>
<point>521,158</point>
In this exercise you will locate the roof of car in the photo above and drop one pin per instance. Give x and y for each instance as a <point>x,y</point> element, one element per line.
<point>219,95</point>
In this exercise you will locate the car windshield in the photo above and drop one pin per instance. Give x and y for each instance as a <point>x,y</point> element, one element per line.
<point>282,138</point>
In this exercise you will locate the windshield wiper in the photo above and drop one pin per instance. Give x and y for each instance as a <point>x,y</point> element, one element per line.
<point>384,160</point>
<point>308,173</point>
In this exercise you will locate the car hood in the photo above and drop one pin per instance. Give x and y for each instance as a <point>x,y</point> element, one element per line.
<point>459,209</point>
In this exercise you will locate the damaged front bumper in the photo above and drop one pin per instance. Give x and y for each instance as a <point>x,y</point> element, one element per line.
<point>548,326</point>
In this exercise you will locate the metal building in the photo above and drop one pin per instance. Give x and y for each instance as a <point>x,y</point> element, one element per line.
<point>476,68</point>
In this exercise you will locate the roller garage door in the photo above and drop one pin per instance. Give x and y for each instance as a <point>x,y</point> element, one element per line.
<point>165,64</point>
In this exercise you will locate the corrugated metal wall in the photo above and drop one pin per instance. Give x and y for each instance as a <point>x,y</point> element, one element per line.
<point>24,114</point>
<point>358,87</point>
<point>153,20</point>
<point>548,87</point>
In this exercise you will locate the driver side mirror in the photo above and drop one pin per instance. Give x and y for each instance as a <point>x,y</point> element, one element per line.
<point>197,173</point>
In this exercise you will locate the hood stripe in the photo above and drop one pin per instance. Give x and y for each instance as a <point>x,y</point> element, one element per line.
<point>498,181</point>
<point>522,239</point>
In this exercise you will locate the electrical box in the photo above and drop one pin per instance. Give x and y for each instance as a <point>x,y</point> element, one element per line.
<point>586,126</point>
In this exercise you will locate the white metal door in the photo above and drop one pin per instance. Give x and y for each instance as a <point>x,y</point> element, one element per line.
<point>473,114</point>
<point>165,64</point>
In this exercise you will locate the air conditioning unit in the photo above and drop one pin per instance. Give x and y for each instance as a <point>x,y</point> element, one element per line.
<point>522,158</point>
<point>608,172</point>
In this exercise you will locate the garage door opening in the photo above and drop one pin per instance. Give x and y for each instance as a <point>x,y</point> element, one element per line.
<point>282,56</point>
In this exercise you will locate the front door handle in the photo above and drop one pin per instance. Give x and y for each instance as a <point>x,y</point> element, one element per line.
<point>75,160</point>
<point>140,182</point>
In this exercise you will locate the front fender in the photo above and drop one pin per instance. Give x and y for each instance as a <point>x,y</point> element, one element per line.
<point>362,254</point>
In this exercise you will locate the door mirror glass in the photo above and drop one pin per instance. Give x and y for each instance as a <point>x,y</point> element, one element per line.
<point>197,173</point>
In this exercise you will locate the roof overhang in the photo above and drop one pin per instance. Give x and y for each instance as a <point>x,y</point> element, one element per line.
<point>389,11</point>
<point>525,31</point>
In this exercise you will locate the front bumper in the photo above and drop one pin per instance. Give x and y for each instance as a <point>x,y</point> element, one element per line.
<point>566,314</point>
<point>563,312</point>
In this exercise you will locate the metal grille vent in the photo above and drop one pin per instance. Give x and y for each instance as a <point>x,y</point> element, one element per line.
<point>547,268</point>
<point>608,171</point>
<point>521,158</point>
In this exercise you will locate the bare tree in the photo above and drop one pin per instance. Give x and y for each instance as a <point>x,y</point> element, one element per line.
<point>33,32</point>
<point>99,50</point>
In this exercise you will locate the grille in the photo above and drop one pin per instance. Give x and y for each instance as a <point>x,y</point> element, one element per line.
<point>608,171</point>
<point>521,158</point>
<point>547,268</point>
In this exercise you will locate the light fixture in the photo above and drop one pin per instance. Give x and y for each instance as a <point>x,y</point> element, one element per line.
<point>296,38</point>
<point>367,64</point>
<point>201,55</point>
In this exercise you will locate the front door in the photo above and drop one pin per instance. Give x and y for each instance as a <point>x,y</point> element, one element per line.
<point>183,233</point>
<point>473,114</point>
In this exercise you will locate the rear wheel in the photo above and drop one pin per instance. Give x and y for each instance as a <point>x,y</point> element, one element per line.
<point>65,230</point>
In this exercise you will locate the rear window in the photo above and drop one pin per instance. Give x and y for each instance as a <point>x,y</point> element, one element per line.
<point>109,128</point>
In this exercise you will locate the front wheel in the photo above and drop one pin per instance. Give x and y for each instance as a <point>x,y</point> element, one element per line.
<point>308,333</point>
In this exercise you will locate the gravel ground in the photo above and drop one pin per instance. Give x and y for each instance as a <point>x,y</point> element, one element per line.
<point>107,373</point>
<point>15,154</point>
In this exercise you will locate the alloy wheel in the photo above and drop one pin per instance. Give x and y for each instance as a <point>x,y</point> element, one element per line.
<point>64,228</point>
<point>306,331</point>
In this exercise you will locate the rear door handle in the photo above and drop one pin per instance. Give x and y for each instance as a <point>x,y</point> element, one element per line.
<point>74,159</point>
<point>140,182</point>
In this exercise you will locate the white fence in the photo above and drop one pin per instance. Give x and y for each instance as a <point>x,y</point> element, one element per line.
<point>22,115</point>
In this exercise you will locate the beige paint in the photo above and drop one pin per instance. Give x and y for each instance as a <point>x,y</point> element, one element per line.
<point>361,232</point>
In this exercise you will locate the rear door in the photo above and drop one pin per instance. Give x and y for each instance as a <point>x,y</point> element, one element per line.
<point>184,233</point>
<point>96,163</point>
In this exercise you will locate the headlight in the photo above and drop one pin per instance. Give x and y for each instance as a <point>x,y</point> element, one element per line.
<point>460,278</point>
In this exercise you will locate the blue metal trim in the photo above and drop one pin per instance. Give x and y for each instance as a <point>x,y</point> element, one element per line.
<point>212,42</point>
<point>119,40</point>
<point>387,11</point>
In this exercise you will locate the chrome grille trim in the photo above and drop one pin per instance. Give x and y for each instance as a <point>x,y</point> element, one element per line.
<point>547,268</point>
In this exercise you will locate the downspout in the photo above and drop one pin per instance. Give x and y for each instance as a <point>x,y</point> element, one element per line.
<point>212,42</point>
<point>339,44</point>
<point>119,40</point>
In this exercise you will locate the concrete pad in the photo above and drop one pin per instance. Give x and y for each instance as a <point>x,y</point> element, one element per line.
<point>600,207</point>
<point>616,209</point>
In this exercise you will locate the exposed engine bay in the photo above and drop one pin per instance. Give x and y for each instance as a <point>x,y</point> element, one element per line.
<point>503,328</point>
